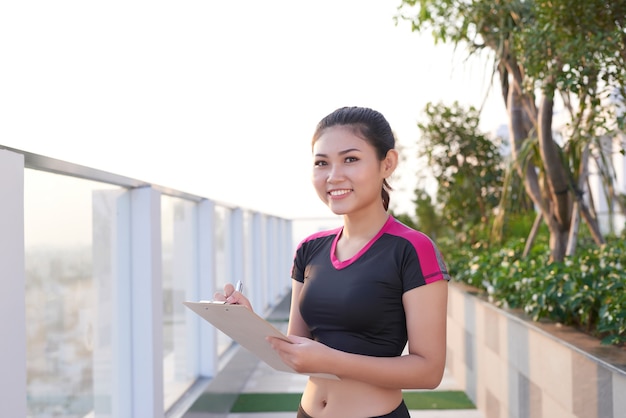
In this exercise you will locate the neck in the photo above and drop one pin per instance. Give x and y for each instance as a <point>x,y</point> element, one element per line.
<point>364,226</point>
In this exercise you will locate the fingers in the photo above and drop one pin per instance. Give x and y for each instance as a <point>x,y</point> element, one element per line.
<point>229,289</point>
<point>277,343</point>
<point>228,295</point>
<point>231,296</point>
<point>235,298</point>
<point>282,348</point>
<point>296,353</point>
<point>281,345</point>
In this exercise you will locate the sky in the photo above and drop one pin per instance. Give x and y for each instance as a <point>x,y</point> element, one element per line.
<point>220,98</point>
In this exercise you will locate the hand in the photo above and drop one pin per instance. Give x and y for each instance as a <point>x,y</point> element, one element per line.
<point>304,355</point>
<point>231,296</point>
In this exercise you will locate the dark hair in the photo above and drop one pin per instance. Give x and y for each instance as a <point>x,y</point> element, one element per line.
<point>367,124</point>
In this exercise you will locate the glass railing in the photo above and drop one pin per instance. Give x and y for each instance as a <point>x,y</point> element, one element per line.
<point>106,263</point>
<point>66,326</point>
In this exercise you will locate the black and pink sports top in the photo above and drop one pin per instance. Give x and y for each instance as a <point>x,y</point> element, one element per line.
<point>355,305</point>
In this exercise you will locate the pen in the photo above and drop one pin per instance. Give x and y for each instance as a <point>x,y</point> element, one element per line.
<point>239,286</point>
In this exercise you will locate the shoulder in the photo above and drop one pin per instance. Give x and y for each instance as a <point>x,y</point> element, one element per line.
<point>419,247</point>
<point>417,239</point>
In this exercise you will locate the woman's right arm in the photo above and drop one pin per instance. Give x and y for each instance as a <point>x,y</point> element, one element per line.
<point>297,326</point>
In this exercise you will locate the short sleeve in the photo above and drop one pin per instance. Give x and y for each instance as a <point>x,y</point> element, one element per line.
<point>297,269</point>
<point>423,263</point>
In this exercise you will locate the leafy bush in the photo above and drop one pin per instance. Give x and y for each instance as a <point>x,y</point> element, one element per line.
<point>587,291</point>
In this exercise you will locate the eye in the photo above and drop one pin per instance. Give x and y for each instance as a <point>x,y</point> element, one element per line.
<point>351,159</point>
<point>320,163</point>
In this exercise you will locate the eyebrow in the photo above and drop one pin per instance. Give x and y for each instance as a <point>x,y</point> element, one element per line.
<point>346,151</point>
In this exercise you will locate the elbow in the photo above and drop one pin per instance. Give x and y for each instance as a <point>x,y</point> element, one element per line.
<point>437,375</point>
<point>430,378</point>
<point>433,381</point>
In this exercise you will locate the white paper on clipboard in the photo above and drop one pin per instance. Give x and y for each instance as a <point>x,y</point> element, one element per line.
<point>248,329</point>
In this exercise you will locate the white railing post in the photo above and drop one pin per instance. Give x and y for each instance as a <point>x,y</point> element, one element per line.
<point>236,253</point>
<point>184,284</point>
<point>111,272</point>
<point>270,236</point>
<point>147,303</point>
<point>12,286</point>
<point>257,255</point>
<point>286,254</point>
<point>206,346</point>
<point>267,261</point>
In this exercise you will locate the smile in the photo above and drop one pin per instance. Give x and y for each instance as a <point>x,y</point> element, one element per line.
<point>340,192</point>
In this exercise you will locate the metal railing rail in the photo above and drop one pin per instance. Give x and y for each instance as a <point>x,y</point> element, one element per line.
<point>257,246</point>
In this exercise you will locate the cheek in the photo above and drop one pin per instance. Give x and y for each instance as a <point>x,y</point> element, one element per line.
<point>318,180</point>
<point>317,177</point>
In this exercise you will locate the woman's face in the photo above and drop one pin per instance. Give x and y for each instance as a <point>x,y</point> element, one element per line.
<point>347,173</point>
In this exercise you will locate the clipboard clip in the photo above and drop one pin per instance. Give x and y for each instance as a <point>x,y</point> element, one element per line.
<point>214,302</point>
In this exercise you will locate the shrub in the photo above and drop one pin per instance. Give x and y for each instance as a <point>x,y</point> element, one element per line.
<point>587,291</point>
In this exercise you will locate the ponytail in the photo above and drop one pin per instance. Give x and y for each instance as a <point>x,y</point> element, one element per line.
<point>385,194</point>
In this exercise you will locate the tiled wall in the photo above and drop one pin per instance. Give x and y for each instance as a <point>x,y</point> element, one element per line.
<point>515,369</point>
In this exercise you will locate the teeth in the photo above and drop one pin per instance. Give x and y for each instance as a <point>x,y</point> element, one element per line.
<point>338,192</point>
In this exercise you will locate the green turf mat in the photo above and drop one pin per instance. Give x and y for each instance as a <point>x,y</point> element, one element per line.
<point>267,402</point>
<point>288,402</point>
<point>438,399</point>
<point>214,402</point>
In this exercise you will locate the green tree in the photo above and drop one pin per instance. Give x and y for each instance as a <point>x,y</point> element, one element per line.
<point>407,220</point>
<point>428,220</point>
<point>466,164</point>
<point>567,49</point>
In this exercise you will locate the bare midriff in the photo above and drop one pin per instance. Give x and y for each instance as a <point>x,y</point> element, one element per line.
<point>326,398</point>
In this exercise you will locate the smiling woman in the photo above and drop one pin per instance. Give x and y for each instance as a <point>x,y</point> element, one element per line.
<point>363,291</point>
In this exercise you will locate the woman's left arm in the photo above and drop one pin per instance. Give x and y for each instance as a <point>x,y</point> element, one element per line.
<point>422,368</point>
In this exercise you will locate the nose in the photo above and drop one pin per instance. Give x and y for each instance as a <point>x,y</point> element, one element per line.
<point>335,174</point>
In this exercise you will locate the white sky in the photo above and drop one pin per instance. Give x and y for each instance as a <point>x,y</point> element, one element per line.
<point>218,98</point>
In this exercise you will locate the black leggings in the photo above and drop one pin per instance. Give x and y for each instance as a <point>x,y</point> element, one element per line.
<point>400,412</point>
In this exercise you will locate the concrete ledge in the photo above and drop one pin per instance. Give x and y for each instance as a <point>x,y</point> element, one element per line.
<point>512,367</point>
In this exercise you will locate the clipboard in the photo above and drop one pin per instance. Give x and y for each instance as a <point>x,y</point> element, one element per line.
<point>248,329</point>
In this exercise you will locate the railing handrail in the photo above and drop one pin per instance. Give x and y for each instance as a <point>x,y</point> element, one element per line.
<point>56,166</point>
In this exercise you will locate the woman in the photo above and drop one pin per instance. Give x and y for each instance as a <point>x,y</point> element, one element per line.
<point>362,291</point>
